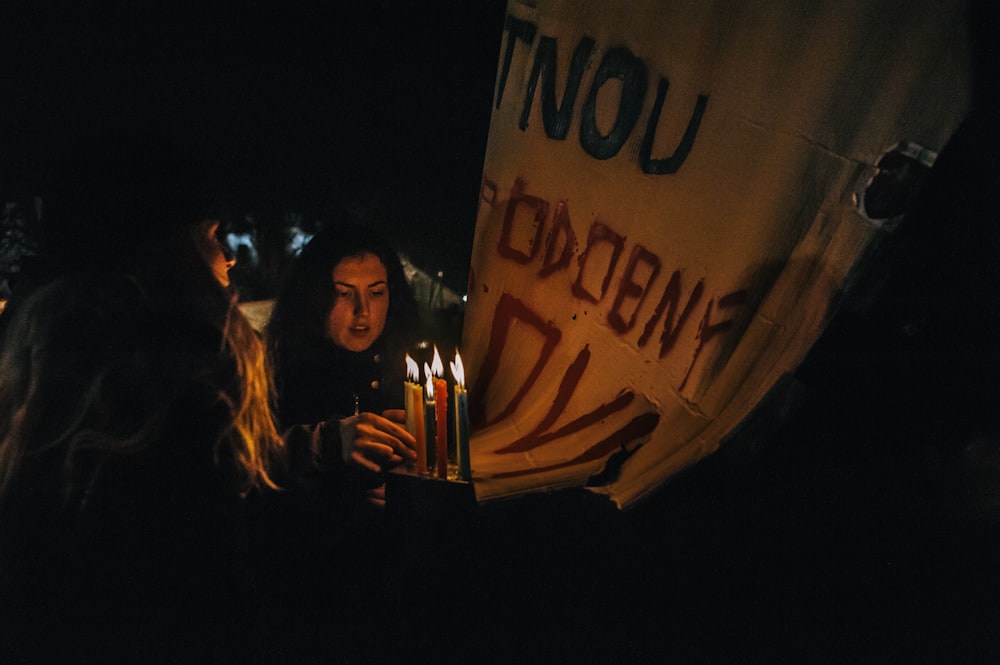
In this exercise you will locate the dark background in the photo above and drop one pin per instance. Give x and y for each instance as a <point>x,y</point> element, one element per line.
<point>853,519</point>
<point>308,111</point>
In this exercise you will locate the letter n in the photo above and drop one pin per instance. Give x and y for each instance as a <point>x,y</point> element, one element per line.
<point>555,118</point>
<point>670,302</point>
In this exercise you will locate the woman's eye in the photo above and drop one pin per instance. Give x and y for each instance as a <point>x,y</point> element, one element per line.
<point>343,294</point>
<point>377,293</point>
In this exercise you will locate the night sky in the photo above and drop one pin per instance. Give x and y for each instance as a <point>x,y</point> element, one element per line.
<point>305,107</point>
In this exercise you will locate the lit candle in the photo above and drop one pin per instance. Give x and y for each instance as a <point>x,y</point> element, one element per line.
<point>461,419</point>
<point>413,398</point>
<point>441,414</point>
<point>429,429</point>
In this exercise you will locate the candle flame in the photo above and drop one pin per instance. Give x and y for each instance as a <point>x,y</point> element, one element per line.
<point>458,370</point>
<point>412,369</point>
<point>429,386</point>
<point>437,367</point>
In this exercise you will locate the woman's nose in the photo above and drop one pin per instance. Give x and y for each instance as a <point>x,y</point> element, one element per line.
<point>361,304</point>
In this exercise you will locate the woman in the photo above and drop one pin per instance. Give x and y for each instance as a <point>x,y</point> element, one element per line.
<point>337,338</point>
<point>134,424</point>
<point>136,436</point>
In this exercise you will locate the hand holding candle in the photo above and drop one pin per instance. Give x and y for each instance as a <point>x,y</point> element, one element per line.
<point>375,442</point>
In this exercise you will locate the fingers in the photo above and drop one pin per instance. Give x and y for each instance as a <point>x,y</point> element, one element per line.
<point>379,429</point>
<point>392,422</point>
<point>375,442</point>
<point>358,459</point>
<point>376,497</point>
<point>395,415</point>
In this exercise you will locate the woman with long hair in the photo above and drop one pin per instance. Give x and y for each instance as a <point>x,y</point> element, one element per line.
<point>337,337</point>
<point>137,441</point>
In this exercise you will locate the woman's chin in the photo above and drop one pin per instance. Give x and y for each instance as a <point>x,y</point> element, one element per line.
<point>358,343</point>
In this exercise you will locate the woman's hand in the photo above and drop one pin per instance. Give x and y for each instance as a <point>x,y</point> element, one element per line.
<point>377,443</point>
<point>376,498</point>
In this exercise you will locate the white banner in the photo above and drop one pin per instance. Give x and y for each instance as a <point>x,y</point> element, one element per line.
<point>669,205</point>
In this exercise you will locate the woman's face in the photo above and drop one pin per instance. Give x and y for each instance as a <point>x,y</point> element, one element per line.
<point>210,246</point>
<point>360,302</point>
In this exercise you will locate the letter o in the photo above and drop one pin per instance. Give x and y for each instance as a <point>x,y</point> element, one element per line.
<point>618,63</point>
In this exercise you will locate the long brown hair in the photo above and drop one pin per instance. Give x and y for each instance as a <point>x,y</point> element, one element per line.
<point>122,356</point>
<point>100,366</point>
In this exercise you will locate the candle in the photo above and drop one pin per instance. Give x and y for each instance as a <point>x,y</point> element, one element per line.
<point>441,415</point>
<point>461,409</point>
<point>430,450</point>
<point>413,398</point>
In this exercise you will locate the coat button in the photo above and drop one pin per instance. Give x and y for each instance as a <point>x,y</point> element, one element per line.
<point>377,358</point>
<point>374,385</point>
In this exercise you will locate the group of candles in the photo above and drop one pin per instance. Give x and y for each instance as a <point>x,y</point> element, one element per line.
<point>427,409</point>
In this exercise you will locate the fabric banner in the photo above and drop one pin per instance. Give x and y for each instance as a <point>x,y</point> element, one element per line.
<point>672,197</point>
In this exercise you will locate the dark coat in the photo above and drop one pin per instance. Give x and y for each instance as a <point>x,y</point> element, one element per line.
<point>328,382</point>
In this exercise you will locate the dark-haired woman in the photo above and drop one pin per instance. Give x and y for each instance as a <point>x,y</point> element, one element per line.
<point>337,338</point>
